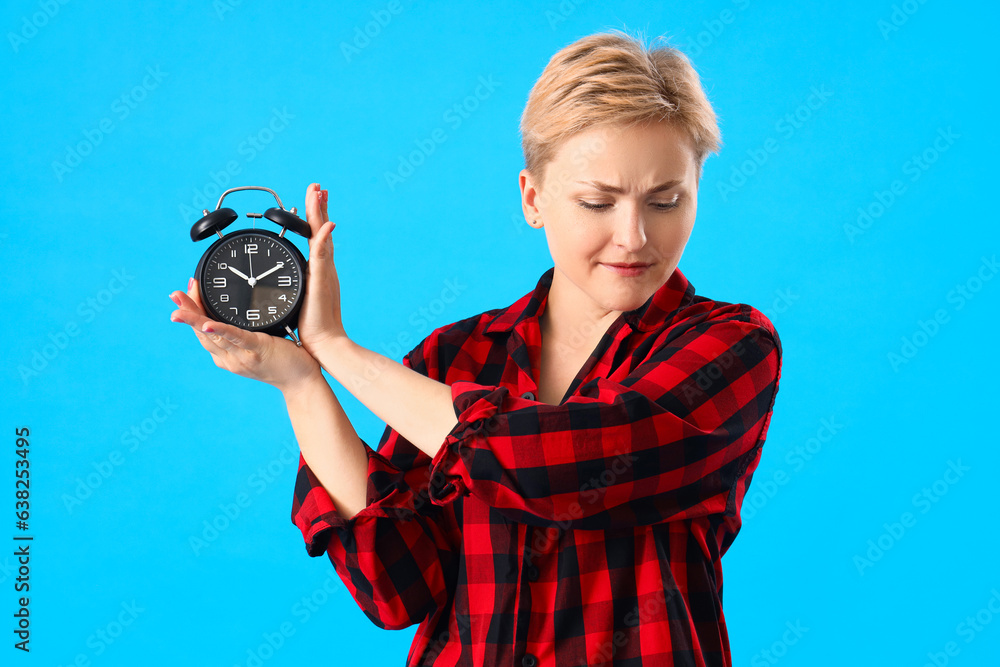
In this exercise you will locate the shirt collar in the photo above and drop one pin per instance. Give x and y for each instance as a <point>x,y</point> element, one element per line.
<point>675,293</point>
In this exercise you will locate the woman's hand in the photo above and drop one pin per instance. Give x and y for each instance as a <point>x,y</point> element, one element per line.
<point>271,359</point>
<point>319,319</point>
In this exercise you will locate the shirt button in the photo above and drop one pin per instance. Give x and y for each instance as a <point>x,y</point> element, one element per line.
<point>531,572</point>
<point>529,660</point>
<point>530,396</point>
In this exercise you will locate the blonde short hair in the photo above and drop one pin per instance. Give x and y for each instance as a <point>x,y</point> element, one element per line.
<point>613,78</point>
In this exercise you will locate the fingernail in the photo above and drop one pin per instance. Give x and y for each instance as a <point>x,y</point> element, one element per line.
<point>174,298</point>
<point>207,328</point>
<point>190,283</point>
<point>175,318</point>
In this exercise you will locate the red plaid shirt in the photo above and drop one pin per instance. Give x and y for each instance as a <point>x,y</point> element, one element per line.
<point>584,533</point>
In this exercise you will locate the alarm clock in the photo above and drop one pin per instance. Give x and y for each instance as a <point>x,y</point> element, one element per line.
<point>253,279</point>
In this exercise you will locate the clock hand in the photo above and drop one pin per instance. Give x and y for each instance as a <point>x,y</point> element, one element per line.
<point>280,265</point>
<point>239,273</point>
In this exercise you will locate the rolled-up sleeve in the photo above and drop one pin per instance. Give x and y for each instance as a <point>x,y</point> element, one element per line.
<point>315,514</point>
<point>674,439</point>
<point>398,554</point>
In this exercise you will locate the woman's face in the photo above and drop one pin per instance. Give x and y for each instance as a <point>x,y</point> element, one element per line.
<point>615,195</point>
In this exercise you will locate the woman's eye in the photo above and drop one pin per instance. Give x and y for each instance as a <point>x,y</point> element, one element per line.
<point>662,206</point>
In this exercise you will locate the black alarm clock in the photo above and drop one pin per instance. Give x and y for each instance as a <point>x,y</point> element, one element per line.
<point>253,279</point>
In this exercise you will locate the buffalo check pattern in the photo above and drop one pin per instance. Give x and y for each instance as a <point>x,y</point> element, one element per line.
<point>585,533</point>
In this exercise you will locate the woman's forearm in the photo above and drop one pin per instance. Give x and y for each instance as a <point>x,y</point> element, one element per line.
<point>416,406</point>
<point>329,444</point>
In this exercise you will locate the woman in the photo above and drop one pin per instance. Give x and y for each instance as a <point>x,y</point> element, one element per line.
<point>558,479</point>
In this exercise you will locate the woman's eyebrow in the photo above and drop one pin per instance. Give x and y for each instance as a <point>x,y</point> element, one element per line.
<point>666,185</point>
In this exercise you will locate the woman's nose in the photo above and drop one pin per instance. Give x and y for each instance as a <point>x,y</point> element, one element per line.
<point>630,229</point>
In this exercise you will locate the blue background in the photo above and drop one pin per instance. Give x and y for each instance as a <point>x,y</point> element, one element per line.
<point>855,438</point>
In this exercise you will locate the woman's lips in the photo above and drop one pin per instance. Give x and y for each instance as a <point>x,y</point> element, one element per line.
<point>630,271</point>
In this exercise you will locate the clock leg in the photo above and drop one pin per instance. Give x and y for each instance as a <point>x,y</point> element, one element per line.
<point>294,337</point>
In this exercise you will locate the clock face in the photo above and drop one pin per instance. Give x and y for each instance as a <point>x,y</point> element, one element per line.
<point>253,280</point>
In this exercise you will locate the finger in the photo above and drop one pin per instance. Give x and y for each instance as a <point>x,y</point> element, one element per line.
<point>321,245</point>
<point>190,300</point>
<point>210,345</point>
<point>185,302</point>
<point>216,337</point>
<point>224,336</point>
<point>212,342</point>
<point>195,293</point>
<point>316,207</point>
<point>196,320</point>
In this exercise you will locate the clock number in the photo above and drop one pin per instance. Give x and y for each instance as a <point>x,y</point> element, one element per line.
<point>284,281</point>
<point>234,252</point>
<point>271,310</point>
<point>224,298</point>
<point>250,248</point>
<point>253,314</point>
<point>219,282</point>
<point>282,298</point>
<point>223,266</point>
<point>236,309</point>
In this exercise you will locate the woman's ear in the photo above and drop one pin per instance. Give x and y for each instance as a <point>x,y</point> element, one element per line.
<point>529,197</point>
